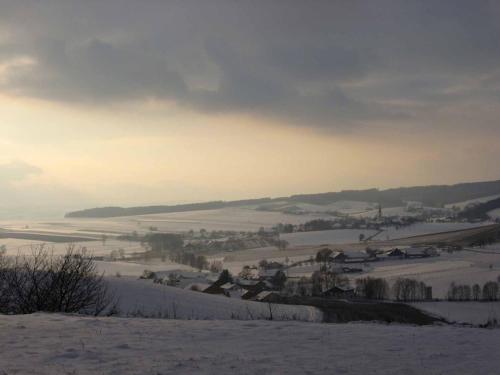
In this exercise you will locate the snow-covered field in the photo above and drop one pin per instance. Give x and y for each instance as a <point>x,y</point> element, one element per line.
<point>221,219</point>
<point>462,267</point>
<point>58,344</point>
<point>97,248</point>
<point>418,229</point>
<point>237,218</point>
<point>136,269</point>
<point>351,236</point>
<point>463,312</point>
<point>466,266</point>
<point>336,236</point>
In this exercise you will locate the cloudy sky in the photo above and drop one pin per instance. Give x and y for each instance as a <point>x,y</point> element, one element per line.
<point>137,102</point>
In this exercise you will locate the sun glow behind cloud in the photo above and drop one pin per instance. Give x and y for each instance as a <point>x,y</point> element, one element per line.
<point>103,156</point>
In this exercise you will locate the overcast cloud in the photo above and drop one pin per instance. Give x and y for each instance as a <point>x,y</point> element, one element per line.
<point>335,64</point>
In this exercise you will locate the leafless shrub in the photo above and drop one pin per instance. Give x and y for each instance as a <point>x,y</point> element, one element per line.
<point>42,281</point>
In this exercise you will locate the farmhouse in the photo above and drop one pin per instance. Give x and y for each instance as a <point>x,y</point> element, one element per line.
<point>395,253</point>
<point>360,258</point>
<point>352,257</point>
<point>338,257</point>
<point>214,289</point>
<point>253,290</point>
<point>421,252</point>
<point>182,278</point>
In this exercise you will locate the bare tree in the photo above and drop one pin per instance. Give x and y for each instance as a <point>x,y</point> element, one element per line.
<point>476,292</point>
<point>409,290</point>
<point>323,256</point>
<point>452,291</point>
<point>324,280</point>
<point>45,282</point>
<point>490,291</point>
<point>246,272</point>
<point>279,280</point>
<point>372,288</point>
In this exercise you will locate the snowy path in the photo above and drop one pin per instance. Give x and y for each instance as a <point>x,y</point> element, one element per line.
<point>57,344</point>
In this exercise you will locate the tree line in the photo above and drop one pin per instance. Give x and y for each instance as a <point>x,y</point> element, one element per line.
<point>370,288</point>
<point>489,291</point>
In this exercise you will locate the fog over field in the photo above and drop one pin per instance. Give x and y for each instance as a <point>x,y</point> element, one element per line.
<point>249,187</point>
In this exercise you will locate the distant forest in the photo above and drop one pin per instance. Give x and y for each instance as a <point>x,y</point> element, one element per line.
<point>433,196</point>
<point>480,211</point>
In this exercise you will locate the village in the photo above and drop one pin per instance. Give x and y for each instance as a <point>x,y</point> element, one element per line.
<point>270,281</point>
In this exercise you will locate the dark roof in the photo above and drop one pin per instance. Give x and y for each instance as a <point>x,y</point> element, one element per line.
<point>395,251</point>
<point>267,296</point>
<point>214,289</point>
<point>254,291</point>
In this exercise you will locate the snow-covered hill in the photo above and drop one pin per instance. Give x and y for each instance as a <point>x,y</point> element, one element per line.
<point>143,297</point>
<point>464,204</point>
<point>57,344</point>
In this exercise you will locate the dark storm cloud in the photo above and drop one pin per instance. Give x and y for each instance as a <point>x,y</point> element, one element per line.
<point>323,63</point>
<point>96,70</point>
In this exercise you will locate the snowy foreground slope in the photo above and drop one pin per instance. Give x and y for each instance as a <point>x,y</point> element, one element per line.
<point>58,344</point>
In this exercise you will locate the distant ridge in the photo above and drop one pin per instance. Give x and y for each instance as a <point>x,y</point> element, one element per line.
<point>103,212</point>
<point>433,195</point>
